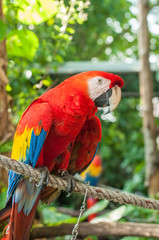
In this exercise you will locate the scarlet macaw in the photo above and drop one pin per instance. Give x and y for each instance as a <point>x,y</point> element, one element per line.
<point>58,130</point>
<point>92,174</point>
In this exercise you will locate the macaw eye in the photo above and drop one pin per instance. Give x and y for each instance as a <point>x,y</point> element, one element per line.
<point>99,81</point>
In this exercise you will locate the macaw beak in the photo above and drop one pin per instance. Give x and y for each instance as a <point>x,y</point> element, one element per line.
<point>115,98</point>
<point>109,99</point>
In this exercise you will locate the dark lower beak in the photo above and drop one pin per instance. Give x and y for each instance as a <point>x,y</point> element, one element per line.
<point>103,100</point>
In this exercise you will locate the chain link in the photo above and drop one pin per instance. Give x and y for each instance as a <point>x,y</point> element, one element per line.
<point>82,208</point>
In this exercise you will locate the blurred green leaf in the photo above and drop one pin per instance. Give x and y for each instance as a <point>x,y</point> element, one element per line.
<point>91,237</point>
<point>8,88</point>
<point>6,147</point>
<point>67,237</point>
<point>46,82</point>
<point>59,58</point>
<point>3,30</point>
<point>35,12</point>
<point>136,238</point>
<point>115,215</point>
<point>22,43</point>
<point>70,30</point>
<point>99,206</point>
<point>52,217</point>
<point>3,195</point>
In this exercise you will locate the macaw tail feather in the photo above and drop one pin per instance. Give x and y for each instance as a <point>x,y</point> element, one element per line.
<point>49,195</point>
<point>5,212</point>
<point>20,224</point>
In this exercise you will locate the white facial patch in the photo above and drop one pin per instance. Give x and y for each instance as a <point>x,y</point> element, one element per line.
<point>97,86</point>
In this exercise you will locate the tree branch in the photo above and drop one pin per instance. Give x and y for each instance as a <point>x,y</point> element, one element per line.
<point>100,229</point>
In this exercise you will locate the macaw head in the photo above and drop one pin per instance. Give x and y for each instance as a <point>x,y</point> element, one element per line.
<point>102,87</point>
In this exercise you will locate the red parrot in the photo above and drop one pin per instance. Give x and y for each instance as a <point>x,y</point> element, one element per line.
<point>92,174</point>
<point>59,130</point>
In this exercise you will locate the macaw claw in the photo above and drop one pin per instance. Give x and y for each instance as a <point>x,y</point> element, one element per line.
<point>70,180</point>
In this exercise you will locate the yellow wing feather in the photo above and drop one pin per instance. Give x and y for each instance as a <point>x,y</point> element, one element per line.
<point>21,144</point>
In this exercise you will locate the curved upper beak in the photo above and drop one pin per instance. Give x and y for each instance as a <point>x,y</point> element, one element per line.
<point>109,99</point>
<point>115,98</point>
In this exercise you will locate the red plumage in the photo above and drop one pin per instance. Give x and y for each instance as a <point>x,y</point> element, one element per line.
<point>90,203</point>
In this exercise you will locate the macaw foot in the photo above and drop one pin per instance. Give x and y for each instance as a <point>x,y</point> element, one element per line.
<point>71,181</point>
<point>44,176</point>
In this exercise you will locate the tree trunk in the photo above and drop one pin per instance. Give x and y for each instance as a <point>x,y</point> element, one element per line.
<point>6,127</point>
<point>3,82</point>
<point>99,229</point>
<point>146,92</point>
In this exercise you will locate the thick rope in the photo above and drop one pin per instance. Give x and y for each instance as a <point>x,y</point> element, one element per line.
<point>62,184</point>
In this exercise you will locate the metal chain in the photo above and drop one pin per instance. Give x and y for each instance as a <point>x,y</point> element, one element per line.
<point>82,208</point>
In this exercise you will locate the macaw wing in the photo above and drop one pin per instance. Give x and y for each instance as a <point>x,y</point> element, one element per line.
<point>29,139</point>
<point>85,146</point>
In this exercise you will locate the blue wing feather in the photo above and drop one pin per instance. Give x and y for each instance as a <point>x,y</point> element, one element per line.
<point>32,155</point>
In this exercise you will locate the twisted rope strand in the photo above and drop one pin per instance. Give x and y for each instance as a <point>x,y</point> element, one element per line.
<point>60,183</point>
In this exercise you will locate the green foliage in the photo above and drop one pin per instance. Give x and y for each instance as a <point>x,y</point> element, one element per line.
<point>119,214</point>
<point>136,238</point>
<point>22,43</point>
<point>99,206</point>
<point>110,33</point>
<point>35,12</point>
<point>122,148</point>
<point>107,34</point>
<point>52,217</point>
<point>3,195</point>
<point>6,147</point>
<point>67,237</point>
<point>139,214</point>
<point>38,36</point>
<point>115,215</point>
<point>3,30</point>
<point>91,237</point>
